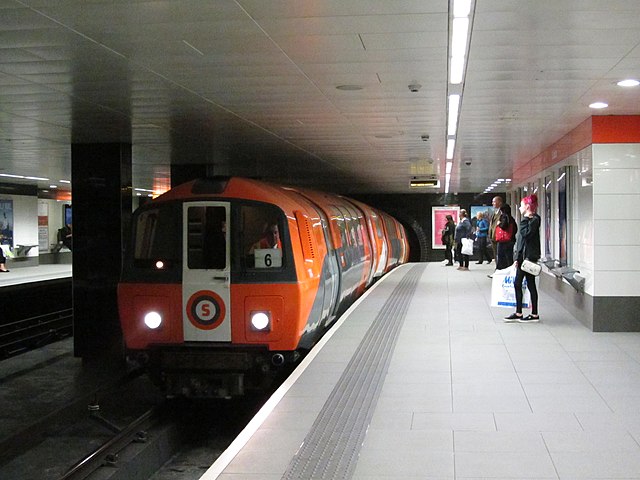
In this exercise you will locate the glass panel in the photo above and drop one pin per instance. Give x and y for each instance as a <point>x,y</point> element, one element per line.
<point>563,234</point>
<point>261,230</point>
<point>157,234</point>
<point>548,216</point>
<point>206,238</point>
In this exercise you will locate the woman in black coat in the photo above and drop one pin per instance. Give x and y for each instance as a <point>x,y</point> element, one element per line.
<point>527,247</point>
<point>504,254</point>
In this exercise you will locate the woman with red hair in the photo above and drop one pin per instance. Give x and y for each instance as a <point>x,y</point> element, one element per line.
<point>527,247</point>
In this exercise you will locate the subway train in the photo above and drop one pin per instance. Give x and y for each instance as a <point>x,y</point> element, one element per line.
<point>227,281</point>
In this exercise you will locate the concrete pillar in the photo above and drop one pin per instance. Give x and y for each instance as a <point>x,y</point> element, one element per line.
<point>101,189</point>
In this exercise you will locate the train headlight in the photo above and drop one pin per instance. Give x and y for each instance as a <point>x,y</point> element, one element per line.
<point>153,320</point>
<point>261,321</point>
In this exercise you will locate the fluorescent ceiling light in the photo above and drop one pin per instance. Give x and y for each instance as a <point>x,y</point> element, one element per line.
<point>449,167</point>
<point>461,8</point>
<point>459,37</point>
<point>451,145</point>
<point>447,179</point>
<point>64,181</point>
<point>454,105</point>
<point>457,70</point>
<point>628,83</point>
<point>598,105</point>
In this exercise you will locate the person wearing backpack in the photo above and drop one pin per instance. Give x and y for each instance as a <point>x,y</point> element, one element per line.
<point>505,237</point>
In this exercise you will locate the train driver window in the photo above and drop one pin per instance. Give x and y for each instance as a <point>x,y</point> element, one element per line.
<point>261,228</point>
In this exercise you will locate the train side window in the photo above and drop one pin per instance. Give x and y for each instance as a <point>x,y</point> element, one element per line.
<point>261,233</point>
<point>340,224</point>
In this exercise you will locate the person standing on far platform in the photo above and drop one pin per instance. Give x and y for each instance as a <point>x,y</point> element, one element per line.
<point>3,261</point>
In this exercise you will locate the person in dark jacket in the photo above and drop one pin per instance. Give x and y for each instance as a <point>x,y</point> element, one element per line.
<point>527,247</point>
<point>504,253</point>
<point>448,234</point>
<point>463,230</point>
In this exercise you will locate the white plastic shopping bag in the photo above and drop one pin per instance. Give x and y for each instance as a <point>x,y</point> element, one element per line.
<point>502,292</point>
<point>467,246</point>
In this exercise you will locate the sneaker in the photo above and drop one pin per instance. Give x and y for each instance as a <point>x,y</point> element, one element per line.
<point>529,319</point>
<point>513,318</point>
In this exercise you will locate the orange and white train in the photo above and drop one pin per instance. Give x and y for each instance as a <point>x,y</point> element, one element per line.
<point>215,309</point>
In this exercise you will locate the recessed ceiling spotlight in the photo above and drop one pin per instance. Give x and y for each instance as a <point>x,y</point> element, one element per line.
<point>350,87</point>
<point>598,105</point>
<point>630,82</point>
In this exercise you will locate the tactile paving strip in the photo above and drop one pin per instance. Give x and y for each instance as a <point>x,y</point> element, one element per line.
<point>331,448</point>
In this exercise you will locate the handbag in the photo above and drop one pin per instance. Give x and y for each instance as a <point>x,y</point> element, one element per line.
<point>467,246</point>
<point>531,267</point>
<point>503,235</point>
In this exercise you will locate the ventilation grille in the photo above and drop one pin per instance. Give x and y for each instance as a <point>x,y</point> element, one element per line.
<point>306,235</point>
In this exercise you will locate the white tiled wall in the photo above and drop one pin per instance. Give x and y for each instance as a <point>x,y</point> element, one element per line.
<point>581,253</point>
<point>616,218</point>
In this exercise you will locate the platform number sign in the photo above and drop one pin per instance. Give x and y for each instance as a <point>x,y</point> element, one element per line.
<point>205,310</point>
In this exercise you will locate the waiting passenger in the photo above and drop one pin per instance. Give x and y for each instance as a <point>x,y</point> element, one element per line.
<point>463,230</point>
<point>482,230</point>
<point>3,260</point>
<point>527,248</point>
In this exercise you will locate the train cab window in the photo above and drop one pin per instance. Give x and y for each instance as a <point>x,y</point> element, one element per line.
<point>206,238</point>
<point>157,236</point>
<point>261,233</point>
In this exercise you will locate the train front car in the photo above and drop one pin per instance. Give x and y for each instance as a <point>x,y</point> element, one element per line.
<point>220,287</point>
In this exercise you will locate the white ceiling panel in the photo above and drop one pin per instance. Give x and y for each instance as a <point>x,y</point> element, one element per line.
<point>250,85</point>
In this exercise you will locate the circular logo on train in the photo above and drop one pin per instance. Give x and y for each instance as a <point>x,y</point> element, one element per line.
<point>205,310</point>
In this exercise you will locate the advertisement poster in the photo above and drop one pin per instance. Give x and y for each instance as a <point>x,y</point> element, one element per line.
<point>547,217</point>
<point>438,221</point>
<point>487,211</point>
<point>43,227</point>
<point>6,222</point>
<point>562,215</point>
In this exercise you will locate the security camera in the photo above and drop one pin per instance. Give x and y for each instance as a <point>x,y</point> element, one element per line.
<point>424,137</point>
<point>415,87</point>
<point>467,162</point>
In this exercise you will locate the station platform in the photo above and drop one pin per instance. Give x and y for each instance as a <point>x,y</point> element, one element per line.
<point>40,273</point>
<point>422,379</point>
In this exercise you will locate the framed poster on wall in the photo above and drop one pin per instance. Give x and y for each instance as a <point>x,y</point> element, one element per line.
<point>438,221</point>
<point>563,234</point>
<point>6,222</point>
<point>548,233</point>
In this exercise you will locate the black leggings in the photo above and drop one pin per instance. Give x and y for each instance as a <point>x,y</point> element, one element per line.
<point>531,285</point>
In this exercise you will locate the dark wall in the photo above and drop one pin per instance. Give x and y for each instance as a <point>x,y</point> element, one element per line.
<point>417,207</point>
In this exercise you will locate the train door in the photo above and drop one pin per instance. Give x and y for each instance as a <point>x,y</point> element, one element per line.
<point>206,308</point>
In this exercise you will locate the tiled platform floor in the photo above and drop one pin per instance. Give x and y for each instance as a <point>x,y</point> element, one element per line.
<point>468,396</point>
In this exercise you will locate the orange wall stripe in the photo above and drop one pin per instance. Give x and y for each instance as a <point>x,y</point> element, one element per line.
<point>574,141</point>
<point>616,129</point>
<point>596,129</point>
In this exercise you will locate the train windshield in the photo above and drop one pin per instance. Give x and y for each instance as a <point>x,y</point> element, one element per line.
<point>261,229</point>
<point>158,235</point>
